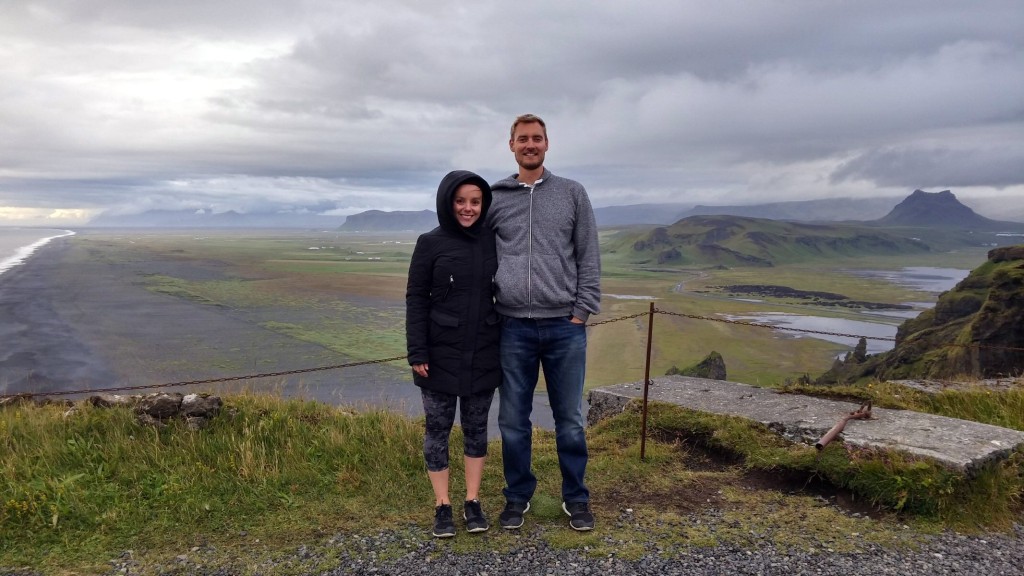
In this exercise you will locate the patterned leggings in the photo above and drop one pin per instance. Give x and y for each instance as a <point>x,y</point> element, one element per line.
<point>440,412</point>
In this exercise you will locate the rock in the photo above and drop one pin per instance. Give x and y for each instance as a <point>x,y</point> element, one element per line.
<point>161,405</point>
<point>147,420</point>
<point>711,367</point>
<point>111,400</point>
<point>201,405</point>
<point>196,423</point>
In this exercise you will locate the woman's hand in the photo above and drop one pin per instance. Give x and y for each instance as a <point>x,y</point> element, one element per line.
<point>421,369</point>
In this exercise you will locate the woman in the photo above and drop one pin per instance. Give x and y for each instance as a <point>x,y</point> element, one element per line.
<point>452,334</point>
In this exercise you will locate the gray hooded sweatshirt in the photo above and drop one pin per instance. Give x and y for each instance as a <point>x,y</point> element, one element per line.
<point>549,262</point>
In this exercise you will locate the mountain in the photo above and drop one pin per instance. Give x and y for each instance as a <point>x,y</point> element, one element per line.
<point>940,210</point>
<point>209,219</point>
<point>823,210</point>
<point>974,330</point>
<point>395,221</point>
<point>639,214</point>
<point>742,241</point>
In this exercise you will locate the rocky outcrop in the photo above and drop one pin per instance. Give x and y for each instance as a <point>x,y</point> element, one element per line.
<point>974,330</point>
<point>711,367</point>
<point>150,410</point>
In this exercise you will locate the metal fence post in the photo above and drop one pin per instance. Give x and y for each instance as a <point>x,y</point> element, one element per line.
<point>647,383</point>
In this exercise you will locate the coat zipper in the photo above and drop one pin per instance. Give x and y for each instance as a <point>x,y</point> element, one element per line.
<point>451,282</point>
<point>529,252</point>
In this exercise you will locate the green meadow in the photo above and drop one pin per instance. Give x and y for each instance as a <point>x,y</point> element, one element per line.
<point>345,292</point>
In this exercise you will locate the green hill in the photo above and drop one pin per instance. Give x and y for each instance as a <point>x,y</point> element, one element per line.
<point>743,241</point>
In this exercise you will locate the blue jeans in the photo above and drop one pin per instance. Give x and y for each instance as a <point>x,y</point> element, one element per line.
<point>559,347</point>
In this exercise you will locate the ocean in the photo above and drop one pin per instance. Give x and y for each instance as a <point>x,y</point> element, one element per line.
<point>17,244</point>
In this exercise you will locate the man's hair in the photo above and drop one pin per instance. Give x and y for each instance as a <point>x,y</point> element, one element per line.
<point>528,119</point>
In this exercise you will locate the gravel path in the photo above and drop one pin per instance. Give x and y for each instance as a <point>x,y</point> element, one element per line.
<point>407,553</point>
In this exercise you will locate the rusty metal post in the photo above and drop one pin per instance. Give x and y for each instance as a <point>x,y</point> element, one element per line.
<point>647,383</point>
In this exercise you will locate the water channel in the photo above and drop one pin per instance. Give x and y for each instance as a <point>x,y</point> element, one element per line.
<point>924,278</point>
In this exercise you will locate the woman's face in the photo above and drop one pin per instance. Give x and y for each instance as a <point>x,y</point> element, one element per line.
<point>468,200</point>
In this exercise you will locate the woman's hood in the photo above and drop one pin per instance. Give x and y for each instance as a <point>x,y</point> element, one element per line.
<point>446,201</point>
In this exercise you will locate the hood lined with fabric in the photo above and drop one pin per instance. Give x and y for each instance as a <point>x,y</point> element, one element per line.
<point>446,216</point>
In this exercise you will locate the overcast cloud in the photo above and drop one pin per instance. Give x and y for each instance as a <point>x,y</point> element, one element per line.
<point>338,106</point>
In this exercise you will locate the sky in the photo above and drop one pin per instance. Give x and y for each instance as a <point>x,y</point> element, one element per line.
<point>337,107</point>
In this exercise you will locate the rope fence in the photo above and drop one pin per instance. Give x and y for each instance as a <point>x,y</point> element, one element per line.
<point>649,314</point>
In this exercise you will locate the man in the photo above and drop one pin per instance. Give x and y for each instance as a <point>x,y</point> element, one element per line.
<point>547,286</point>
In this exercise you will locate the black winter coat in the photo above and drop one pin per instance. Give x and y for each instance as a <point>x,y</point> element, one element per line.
<point>450,320</point>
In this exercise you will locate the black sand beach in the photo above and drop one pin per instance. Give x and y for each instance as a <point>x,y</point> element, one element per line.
<point>71,319</point>
<point>39,350</point>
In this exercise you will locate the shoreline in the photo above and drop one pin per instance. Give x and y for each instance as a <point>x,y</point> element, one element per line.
<point>23,253</point>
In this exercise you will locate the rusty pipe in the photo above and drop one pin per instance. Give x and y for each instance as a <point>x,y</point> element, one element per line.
<point>862,413</point>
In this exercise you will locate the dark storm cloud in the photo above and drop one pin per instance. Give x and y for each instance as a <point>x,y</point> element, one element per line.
<point>934,167</point>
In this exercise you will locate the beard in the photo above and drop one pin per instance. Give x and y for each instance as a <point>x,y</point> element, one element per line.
<point>531,162</point>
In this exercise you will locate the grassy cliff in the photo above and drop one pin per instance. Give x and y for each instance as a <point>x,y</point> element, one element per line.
<point>974,330</point>
<point>269,475</point>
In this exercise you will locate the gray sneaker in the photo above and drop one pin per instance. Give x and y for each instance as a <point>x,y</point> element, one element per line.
<point>580,516</point>
<point>474,515</point>
<point>512,516</point>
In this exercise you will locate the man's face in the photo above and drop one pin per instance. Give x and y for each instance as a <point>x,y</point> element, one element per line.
<point>529,143</point>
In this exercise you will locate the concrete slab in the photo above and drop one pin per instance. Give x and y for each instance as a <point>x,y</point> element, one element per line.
<point>959,444</point>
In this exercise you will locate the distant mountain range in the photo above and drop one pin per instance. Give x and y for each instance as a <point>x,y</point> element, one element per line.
<point>920,208</point>
<point>826,210</point>
<point>722,240</point>
<point>209,219</point>
<point>922,222</point>
<point>640,214</point>
<point>380,221</point>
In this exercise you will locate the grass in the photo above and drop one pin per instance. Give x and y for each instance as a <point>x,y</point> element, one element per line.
<point>77,490</point>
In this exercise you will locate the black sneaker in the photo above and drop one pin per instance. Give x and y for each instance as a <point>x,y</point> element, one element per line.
<point>512,516</point>
<point>444,526</point>
<point>580,516</point>
<point>474,515</point>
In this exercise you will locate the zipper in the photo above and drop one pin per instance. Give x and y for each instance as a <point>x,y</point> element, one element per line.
<point>529,252</point>
<point>449,289</point>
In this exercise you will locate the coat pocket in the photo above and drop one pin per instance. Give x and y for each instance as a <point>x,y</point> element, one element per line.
<point>444,319</point>
<point>444,328</point>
